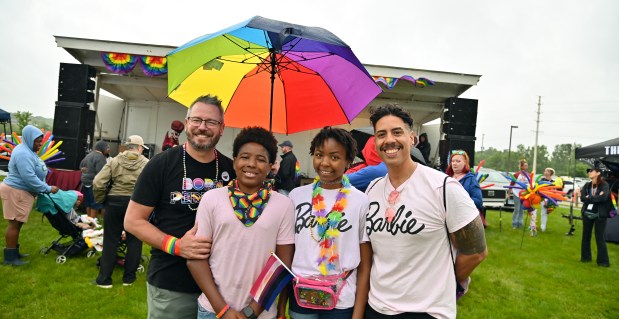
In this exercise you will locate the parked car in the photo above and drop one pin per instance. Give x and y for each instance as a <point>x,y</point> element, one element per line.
<point>496,195</point>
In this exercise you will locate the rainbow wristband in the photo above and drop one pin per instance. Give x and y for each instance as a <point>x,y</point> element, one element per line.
<point>169,245</point>
<point>222,312</point>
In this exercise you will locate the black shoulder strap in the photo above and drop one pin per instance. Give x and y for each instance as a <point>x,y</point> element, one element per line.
<point>372,186</point>
<point>447,229</point>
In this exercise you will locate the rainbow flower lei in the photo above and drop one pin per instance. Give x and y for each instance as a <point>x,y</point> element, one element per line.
<point>327,223</point>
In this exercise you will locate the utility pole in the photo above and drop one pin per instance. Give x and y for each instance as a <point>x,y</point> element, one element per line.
<point>539,105</point>
<point>482,141</point>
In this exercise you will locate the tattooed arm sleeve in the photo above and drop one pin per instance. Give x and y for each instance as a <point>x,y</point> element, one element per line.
<point>470,242</point>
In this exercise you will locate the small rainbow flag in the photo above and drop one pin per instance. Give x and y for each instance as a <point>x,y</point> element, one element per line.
<point>297,170</point>
<point>273,278</point>
<point>613,200</point>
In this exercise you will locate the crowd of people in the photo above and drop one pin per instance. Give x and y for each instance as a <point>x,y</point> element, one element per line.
<point>213,221</point>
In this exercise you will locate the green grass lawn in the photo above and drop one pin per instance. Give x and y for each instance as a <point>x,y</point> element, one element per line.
<point>543,279</point>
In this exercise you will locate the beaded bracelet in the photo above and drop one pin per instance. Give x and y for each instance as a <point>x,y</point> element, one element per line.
<point>223,312</point>
<point>169,245</point>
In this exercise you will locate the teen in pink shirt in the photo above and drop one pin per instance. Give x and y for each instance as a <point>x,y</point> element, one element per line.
<point>243,238</point>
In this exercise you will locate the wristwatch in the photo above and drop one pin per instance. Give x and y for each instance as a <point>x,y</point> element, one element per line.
<point>249,313</point>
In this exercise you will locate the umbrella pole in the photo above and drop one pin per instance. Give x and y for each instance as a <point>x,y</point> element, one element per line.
<point>272,89</point>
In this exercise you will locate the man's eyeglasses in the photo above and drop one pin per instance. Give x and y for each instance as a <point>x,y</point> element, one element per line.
<point>196,121</point>
<point>458,152</point>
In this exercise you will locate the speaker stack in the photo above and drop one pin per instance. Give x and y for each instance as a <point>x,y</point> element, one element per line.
<point>74,122</point>
<point>459,124</point>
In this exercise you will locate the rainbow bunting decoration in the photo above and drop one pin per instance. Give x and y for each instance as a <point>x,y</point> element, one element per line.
<point>154,65</point>
<point>390,82</point>
<point>273,278</point>
<point>49,151</point>
<point>121,63</point>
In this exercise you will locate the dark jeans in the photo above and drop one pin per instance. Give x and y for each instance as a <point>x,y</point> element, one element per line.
<point>585,252</point>
<point>115,208</point>
<point>373,314</point>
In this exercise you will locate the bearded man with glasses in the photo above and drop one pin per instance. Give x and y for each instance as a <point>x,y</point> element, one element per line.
<point>163,207</point>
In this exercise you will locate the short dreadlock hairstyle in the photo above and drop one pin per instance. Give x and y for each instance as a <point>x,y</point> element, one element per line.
<point>391,109</point>
<point>255,134</point>
<point>341,136</point>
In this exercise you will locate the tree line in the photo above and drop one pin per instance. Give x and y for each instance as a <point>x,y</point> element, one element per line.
<point>561,159</point>
<point>20,119</point>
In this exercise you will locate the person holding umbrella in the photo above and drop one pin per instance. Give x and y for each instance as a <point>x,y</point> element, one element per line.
<point>162,210</point>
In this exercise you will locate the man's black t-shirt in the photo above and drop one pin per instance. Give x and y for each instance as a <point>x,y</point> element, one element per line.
<point>161,185</point>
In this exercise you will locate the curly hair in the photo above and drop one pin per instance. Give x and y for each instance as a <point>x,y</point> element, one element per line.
<point>391,109</point>
<point>341,136</point>
<point>255,134</point>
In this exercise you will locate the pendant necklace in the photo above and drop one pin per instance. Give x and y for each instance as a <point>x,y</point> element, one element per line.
<point>392,198</point>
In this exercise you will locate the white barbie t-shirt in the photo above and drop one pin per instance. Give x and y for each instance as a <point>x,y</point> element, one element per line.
<point>412,269</point>
<point>352,233</point>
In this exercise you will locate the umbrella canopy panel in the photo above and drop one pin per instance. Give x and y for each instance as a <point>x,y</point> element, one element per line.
<point>281,76</point>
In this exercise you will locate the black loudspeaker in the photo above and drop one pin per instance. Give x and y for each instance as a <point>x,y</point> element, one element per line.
<point>74,125</point>
<point>460,117</point>
<point>447,146</point>
<point>75,83</point>
<point>74,150</point>
<point>73,120</point>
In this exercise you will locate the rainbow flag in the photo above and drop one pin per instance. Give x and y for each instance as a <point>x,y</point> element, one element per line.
<point>273,278</point>
<point>613,200</point>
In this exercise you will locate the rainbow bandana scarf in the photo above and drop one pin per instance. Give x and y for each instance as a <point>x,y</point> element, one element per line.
<point>248,207</point>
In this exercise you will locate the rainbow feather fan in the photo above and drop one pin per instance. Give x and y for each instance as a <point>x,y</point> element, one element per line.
<point>154,65</point>
<point>49,151</point>
<point>121,63</point>
<point>533,191</point>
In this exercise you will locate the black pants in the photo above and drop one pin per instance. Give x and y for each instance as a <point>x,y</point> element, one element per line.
<point>585,251</point>
<point>373,314</point>
<point>115,209</point>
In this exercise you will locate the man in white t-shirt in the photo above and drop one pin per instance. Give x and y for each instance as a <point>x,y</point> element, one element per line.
<point>412,272</point>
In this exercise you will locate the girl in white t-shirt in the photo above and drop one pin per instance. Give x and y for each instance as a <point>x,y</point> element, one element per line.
<point>330,236</point>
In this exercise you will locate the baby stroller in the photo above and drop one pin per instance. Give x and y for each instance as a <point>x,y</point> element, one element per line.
<point>55,208</point>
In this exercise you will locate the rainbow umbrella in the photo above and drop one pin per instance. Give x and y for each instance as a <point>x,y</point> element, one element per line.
<point>284,77</point>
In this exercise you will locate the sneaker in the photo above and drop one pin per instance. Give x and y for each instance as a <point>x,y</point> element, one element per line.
<point>94,282</point>
<point>128,284</point>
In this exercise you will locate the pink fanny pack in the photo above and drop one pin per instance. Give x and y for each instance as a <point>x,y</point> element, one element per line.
<point>319,292</point>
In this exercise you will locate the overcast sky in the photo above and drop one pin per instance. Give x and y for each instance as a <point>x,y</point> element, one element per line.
<point>565,51</point>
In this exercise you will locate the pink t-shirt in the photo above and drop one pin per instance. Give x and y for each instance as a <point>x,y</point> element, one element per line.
<point>239,253</point>
<point>412,269</point>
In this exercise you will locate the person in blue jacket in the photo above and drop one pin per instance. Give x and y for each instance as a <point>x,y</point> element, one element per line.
<point>460,169</point>
<point>26,179</point>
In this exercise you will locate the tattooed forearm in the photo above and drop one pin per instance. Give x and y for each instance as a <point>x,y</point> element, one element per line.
<point>471,239</point>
